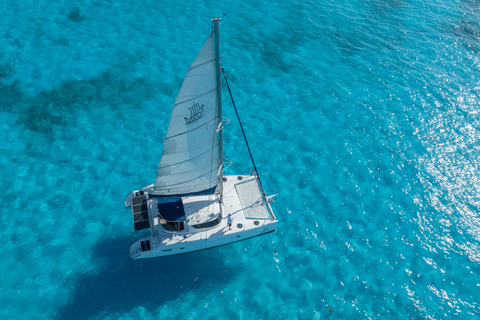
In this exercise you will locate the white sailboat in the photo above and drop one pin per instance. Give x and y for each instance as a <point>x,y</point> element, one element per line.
<point>192,205</point>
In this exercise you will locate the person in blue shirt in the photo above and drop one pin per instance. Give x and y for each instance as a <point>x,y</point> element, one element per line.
<point>229,221</point>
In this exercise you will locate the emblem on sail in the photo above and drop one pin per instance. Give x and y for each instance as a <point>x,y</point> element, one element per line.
<point>196,112</point>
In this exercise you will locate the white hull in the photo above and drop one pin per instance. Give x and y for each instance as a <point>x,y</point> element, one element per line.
<point>178,245</point>
<point>248,221</point>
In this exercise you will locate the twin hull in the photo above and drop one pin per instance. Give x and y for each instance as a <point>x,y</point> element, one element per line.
<point>251,213</point>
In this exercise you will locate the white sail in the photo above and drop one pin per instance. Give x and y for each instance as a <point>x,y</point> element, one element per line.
<point>190,158</point>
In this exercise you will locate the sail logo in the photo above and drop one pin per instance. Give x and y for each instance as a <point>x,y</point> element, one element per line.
<point>196,112</point>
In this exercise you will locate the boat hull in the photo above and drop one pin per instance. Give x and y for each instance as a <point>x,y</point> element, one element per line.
<point>250,212</point>
<point>197,245</point>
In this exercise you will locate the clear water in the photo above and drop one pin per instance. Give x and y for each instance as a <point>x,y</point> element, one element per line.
<point>362,115</point>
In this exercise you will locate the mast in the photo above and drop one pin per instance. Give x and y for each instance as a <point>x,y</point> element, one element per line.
<point>216,31</point>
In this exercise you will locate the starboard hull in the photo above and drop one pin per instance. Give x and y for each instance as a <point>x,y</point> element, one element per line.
<point>198,245</point>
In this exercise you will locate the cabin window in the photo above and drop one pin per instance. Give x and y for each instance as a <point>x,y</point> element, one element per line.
<point>209,224</point>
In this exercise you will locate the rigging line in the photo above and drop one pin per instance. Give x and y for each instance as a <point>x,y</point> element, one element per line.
<point>244,136</point>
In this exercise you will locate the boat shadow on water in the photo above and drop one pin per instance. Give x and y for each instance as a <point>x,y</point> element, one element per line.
<point>121,284</point>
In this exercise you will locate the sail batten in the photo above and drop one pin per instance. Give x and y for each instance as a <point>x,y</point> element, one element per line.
<point>191,180</point>
<point>178,163</point>
<point>195,97</point>
<point>190,157</point>
<point>191,68</point>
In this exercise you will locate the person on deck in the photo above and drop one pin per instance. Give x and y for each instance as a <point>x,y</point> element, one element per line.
<point>229,221</point>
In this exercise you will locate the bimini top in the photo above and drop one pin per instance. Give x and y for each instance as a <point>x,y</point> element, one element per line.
<point>171,209</point>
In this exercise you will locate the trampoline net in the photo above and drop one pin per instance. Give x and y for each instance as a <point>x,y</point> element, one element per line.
<point>251,200</point>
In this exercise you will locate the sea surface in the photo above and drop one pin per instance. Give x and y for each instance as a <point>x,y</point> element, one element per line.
<point>363,115</point>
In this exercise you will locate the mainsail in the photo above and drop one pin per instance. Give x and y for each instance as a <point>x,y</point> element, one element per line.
<point>190,159</point>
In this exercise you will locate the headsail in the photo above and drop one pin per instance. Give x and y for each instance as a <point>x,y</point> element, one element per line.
<point>190,158</point>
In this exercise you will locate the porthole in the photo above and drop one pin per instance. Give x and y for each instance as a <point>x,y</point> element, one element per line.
<point>224,179</point>
<point>239,226</point>
<point>256,222</point>
<point>239,177</point>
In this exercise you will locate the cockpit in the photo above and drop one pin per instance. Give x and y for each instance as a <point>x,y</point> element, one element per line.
<point>175,214</point>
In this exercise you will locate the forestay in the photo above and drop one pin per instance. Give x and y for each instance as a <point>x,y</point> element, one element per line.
<point>190,158</point>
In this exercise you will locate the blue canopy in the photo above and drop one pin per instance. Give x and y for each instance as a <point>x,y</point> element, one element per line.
<point>171,209</point>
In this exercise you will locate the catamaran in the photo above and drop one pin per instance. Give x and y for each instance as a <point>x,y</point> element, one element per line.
<point>192,205</point>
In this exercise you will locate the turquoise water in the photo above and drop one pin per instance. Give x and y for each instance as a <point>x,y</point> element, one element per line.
<point>362,115</point>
